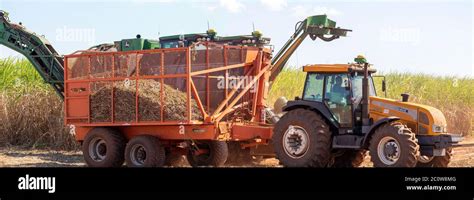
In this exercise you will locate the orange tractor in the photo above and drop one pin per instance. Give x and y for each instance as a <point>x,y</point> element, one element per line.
<point>339,118</point>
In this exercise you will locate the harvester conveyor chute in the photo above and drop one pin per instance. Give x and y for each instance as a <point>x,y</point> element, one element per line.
<point>318,26</point>
<point>36,49</point>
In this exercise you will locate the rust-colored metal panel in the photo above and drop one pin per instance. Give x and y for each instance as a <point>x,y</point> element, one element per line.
<point>77,107</point>
<point>251,55</point>
<point>81,132</point>
<point>327,68</point>
<point>249,132</point>
<point>166,132</point>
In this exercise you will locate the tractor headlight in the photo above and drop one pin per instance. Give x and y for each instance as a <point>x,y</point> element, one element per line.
<point>439,129</point>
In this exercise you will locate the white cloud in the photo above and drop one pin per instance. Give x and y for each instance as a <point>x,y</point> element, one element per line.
<point>233,6</point>
<point>274,5</point>
<point>304,11</point>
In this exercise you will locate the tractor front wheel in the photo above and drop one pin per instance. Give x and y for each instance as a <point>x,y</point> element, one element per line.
<point>394,145</point>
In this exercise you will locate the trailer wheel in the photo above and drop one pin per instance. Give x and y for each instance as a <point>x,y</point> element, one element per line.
<point>394,145</point>
<point>350,158</point>
<point>145,151</point>
<point>301,138</point>
<point>435,161</point>
<point>104,147</point>
<point>238,156</point>
<point>214,153</point>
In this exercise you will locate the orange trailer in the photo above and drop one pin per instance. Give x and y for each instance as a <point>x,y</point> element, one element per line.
<point>224,90</point>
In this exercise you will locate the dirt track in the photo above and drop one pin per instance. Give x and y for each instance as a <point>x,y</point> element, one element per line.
<point>11,157</point>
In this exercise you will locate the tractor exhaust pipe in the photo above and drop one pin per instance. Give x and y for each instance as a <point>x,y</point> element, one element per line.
<point>405,97</point>
<point>365,96</point>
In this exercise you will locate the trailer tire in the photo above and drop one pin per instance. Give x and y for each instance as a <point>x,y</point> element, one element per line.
<point>302,138</point>
<point>437,161</point>
<point>145,151</point>
<point>394,145</point>
<point>350,158</point>
<point>216,155</point>
<point>104,147</point>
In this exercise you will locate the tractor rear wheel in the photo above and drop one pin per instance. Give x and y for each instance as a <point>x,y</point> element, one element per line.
<point>350,158</point>
<point>144,151</point>
<point>435,161</point>
<point>394,145</point>
<point>301,138</point>
<point>104,147</point>
<point>208,153</point>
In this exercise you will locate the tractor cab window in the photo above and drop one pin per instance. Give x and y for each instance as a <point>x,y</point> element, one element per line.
<point>357,89</point>
<point>337,97</point>
<point>314,85</point>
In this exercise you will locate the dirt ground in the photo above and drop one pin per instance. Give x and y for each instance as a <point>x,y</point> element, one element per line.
<point>13,157</point>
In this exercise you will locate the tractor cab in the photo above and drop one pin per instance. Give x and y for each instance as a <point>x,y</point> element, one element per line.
<point>339,88</point>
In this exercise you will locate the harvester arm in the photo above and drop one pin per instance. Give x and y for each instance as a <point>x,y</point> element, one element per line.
<point>36,49</point>
<point>318,26</point>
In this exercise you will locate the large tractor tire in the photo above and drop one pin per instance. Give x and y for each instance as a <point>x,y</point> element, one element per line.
<point>435,161</point>
<point>302,138</point>
<point>215,154</point>
<point>350,158</point>
<point>104,147</point>
<point>394,145</point>
<point>145,151</point>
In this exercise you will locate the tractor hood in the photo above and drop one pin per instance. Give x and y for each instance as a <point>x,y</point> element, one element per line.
<point>420,118</point>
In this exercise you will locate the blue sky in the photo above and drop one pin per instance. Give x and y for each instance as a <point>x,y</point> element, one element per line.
<point>414,36</point>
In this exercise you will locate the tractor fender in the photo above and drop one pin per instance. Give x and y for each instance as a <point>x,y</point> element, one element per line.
<point>375,126</point>
<point>318,107</point>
